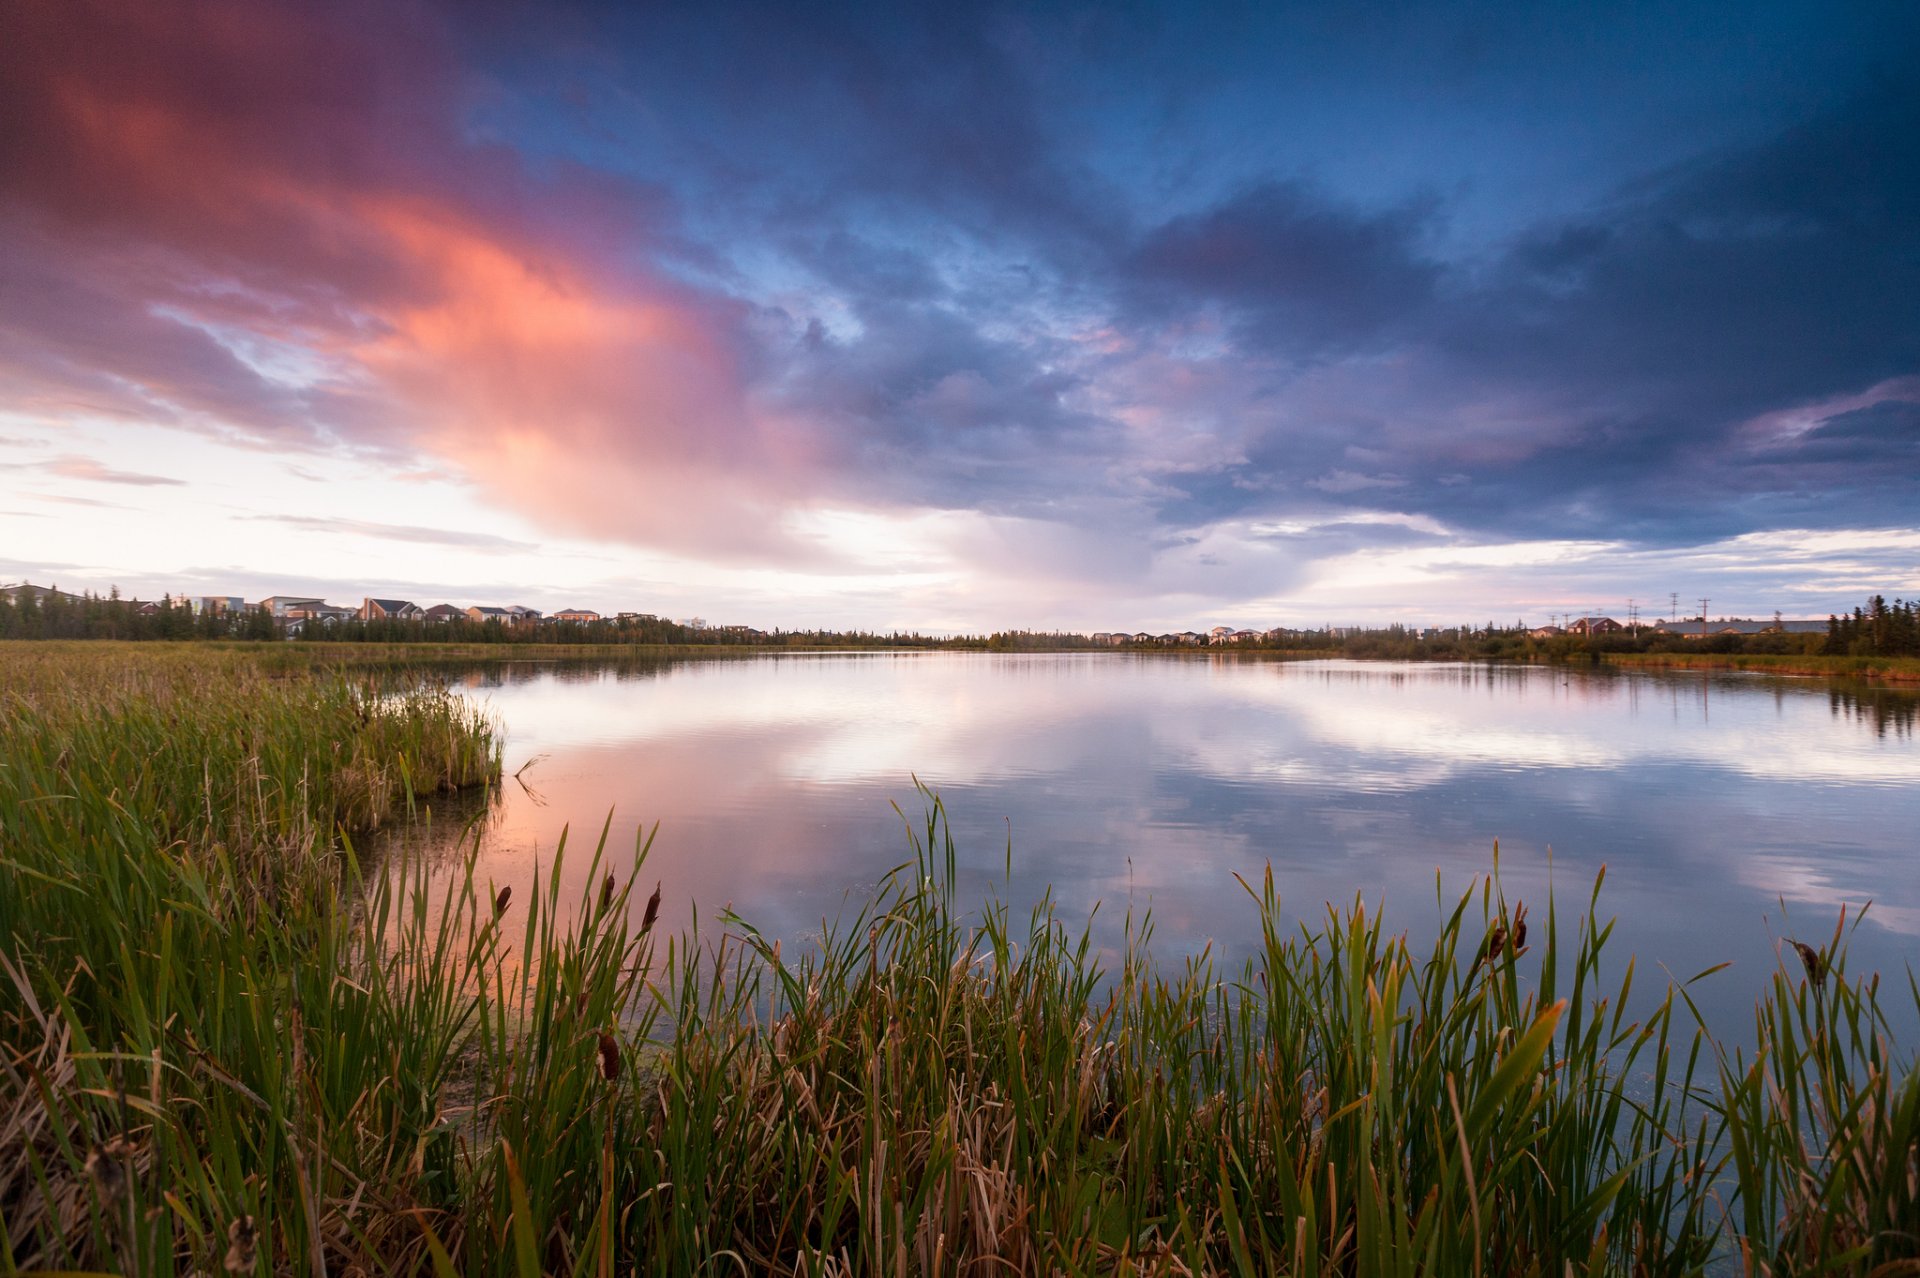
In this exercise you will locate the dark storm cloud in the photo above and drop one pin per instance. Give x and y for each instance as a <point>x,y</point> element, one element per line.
<point>1298,274</point>
<point>1635,341</point>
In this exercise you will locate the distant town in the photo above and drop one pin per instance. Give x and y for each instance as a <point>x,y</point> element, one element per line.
<point>296,616</point>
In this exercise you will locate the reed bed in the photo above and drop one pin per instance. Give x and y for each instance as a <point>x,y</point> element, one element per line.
<point>209,1064</point>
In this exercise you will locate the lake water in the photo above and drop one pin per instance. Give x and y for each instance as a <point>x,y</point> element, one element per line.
<point>1728,810</point>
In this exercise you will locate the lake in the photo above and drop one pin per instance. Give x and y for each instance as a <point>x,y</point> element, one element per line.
<point>1730,811</point>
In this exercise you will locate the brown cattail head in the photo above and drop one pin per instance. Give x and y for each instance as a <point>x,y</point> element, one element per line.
<point>1813,961</point>
<point>653,911</point>
<point>1520,929</point>
<point>1496,942</point>
<point>242,1246</point>
<point>107,1165</point>
<point>501,899</point>
<point>609,1057</point>
<point>606,892</point>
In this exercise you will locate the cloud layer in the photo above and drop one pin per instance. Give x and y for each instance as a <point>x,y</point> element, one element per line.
<point>689,280</point>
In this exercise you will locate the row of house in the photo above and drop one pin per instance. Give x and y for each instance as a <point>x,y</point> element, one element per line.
<point>1185,638</point>
<point>1691,629</point>
<point>297,610</point>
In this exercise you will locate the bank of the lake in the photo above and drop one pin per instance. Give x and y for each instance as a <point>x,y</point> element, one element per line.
<point>1902,670</point>
<point>223,1047</point>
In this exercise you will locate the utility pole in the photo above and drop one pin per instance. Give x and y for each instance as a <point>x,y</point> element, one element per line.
<point>1703,610</point>
<point>1673,606</point>
<point>1633,618</point>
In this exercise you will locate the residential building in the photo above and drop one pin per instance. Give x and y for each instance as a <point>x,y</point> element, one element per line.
<point>282,605</point>
<point>39,594</point>
<point>1701,629</point>
<point>483,613</point>
<point>576,614</point>
<point>444,613</point>
<point>388,610</point>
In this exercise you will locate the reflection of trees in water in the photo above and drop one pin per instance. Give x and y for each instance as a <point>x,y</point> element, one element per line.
<point>1884,710</point>
<point>443,830</point>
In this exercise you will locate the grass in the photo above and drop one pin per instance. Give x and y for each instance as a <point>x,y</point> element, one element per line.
<point>226,1047</point>
<point>1890,669</point>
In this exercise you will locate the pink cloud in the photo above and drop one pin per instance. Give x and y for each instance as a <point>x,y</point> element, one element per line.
<point>263,219</point>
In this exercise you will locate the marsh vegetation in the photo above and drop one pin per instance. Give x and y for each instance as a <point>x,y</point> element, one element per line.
<point>228,1043</point>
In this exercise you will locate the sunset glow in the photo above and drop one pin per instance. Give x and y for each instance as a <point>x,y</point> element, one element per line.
<point>997,317</point>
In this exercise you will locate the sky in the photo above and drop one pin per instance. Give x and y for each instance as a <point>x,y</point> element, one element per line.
<point>966,317</point>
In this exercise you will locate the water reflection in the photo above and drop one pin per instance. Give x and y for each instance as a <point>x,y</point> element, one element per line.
<point>1730,810</point>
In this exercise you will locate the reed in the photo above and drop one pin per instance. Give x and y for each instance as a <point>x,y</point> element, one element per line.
<point>226,1046</point>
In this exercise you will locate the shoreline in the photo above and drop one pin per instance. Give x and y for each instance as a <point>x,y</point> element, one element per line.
<point>284,657</point>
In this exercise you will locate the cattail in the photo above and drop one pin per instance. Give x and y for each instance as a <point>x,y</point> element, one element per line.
<point>107,1165</point>
<point>609,1057</point>
<point>500,900</point>
<point>1496,942</point>
<point>242,1245</point>
<point>653,911</point>
<point>1813,961</point>
<point>606,893</point>
<point>1520,929</point>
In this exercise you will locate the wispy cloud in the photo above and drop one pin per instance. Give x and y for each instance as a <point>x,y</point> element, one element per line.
<point>92,471</point>
<point>398,532</point>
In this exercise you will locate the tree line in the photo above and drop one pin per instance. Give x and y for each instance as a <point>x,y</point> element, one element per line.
<point>1876,629</point>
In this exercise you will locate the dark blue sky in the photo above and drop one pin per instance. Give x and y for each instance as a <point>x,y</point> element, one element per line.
<point>974,315</point>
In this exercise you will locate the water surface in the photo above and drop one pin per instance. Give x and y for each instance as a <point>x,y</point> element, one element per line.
<point>1729,810</point>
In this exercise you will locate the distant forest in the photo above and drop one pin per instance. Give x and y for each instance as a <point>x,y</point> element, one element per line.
<point>1877,629</point>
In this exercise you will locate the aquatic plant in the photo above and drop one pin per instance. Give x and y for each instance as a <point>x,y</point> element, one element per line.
<point>227,1045</point>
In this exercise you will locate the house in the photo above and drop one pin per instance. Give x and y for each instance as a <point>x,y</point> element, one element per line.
<point>637,616</point>
<point>1544,632</point>
<point>1245,636</point>
<point>39,594</point>
<point>576,614</point>
<point>388,610</point>
<point>481,613</point>
<point>325,613</point>
<point>1220,634</point>
<point>444,613</point>
<point>1101,637</point>
<point>281,606</point>
<point>1594,626</point>
<point>1142,637</point>
<point>1700,629</point>
<point>520,612</point>
<point>1190,637</point>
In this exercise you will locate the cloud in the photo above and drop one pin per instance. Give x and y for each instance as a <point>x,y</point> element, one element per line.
<point>1298,273</point>
<point>92,471</point>
<point>398,532</point>
<point>665,279</point>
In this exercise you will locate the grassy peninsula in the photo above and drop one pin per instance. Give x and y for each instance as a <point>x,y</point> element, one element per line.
<point>229,1045</point>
